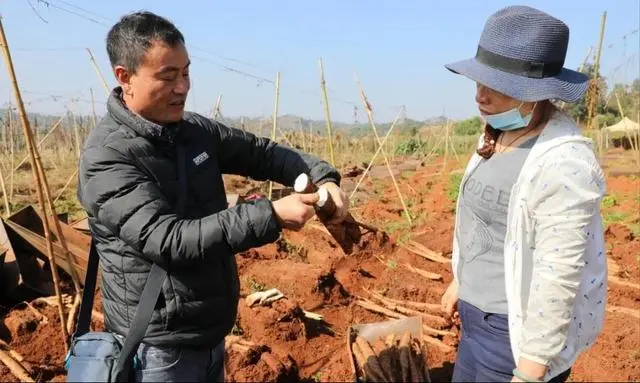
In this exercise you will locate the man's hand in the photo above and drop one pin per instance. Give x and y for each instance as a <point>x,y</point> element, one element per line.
<point>294,210</point>
<point>341,201</point>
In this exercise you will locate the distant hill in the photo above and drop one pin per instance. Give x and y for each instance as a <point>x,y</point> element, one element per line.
<point>286,123</point>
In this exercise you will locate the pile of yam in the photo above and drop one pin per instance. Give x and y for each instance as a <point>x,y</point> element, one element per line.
<point>393,359</point>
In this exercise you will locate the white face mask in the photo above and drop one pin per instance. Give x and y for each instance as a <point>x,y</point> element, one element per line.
<point>509,120</point>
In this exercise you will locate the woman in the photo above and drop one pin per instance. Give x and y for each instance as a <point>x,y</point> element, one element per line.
<point>529,262</point>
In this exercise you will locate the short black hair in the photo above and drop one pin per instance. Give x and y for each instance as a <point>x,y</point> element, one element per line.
<point>130,38</point>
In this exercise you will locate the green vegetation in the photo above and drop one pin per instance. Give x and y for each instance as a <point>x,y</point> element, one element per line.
<point>454,186</point>
<point>609,201</point>
<point>608,111</point>
<point>255,286</point>
<point>469,127</point>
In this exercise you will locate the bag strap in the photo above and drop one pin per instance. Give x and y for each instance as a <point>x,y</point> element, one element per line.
<point>149,295</point>
<point>86,305</point>
<point>153,286</point>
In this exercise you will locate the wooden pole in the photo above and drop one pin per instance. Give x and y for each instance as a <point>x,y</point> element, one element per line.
<point>97,69</point>
<point>627,134</point>
<point>216,109</point>
<point>76,133</point>
<point>375,156</point>
<point>93,108</point>
<point>53,129</point>
<point>275,121</point>
<point>367,106</point>
<point>7,207</point>
<point>446,147</point>
<point>12,140</point>
<point>596,68</point>
<point>35,159</point>
<point>66,185</point>
<point>327,114</point>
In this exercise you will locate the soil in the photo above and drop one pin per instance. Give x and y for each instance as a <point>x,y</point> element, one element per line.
<point>316,276</point>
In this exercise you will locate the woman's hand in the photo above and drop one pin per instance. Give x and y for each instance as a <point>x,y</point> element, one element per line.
<point>449,301</point>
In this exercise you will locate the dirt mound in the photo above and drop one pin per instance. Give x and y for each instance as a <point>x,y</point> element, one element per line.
<point>321,247</point>
<point>39,342</point>
<point>248,362</point>
<point>353,171</point>
<point>623,249</point>
<point>619,233</point>
<point>312,285</point>
<point>21,322</point>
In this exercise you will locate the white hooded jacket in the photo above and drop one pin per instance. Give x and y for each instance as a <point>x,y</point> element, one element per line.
<point>554,252</point>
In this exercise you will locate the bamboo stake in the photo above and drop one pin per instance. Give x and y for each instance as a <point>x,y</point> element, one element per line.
<point>384,154</point>
<point>35,157</point>
<point>97,69</point>
<point>216,109</point>
<point>66,185</point>
<point>275,121</point>
<point>446,148</point>
<point>42,140</point>
<point>375,156</point>
<point>304,140</point>
<point>71,258</point>
<point>13,155</point>
<point>5,137</point>
<point>629,137</point>
<point>93,109</point>
<point>7,206</point>
<point>596,68</point>
<point>327,114</point>
<point>76,133</point>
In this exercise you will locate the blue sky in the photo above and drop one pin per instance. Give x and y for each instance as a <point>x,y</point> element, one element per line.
<point>397,48</point>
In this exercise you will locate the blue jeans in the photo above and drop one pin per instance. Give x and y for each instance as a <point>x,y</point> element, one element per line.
<point>170,364</point>
<point>484,352</point>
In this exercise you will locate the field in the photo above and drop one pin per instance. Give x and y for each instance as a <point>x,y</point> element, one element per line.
<point>388,270</point>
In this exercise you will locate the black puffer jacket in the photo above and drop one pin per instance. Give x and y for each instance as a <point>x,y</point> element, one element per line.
<point>128,184</point>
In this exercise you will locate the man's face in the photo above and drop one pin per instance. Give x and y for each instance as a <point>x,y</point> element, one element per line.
<point>158,89</point>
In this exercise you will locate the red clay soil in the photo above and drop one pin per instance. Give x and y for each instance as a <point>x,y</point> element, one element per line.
<point>315,276</point>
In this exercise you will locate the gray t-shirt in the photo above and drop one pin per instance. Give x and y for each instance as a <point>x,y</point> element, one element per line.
<point>482,228</point>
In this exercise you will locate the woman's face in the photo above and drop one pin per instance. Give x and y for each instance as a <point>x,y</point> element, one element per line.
<point>493,102</point>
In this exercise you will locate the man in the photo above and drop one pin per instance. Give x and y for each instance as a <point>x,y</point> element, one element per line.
<point>130,186</point>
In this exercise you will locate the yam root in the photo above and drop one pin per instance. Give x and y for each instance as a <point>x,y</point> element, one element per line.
<point>17,369</point>
<point>394,358</point>
<point>273,362</point>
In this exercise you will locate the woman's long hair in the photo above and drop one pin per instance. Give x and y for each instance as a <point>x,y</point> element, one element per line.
<point>544,111</point>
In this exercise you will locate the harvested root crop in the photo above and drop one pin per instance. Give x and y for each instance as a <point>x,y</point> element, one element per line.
<point>391,359</point>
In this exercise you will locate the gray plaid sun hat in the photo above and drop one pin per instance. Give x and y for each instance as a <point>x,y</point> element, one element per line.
<point>521,53</point>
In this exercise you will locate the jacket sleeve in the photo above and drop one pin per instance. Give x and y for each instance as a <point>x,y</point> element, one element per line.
<point>246,154</point>
<point>126,201</point>
<point>567,196</point>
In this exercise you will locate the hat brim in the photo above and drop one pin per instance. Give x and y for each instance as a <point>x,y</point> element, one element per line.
<point>569,86</point>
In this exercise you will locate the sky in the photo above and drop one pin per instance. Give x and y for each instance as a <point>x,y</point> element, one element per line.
<point>397,49</point>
